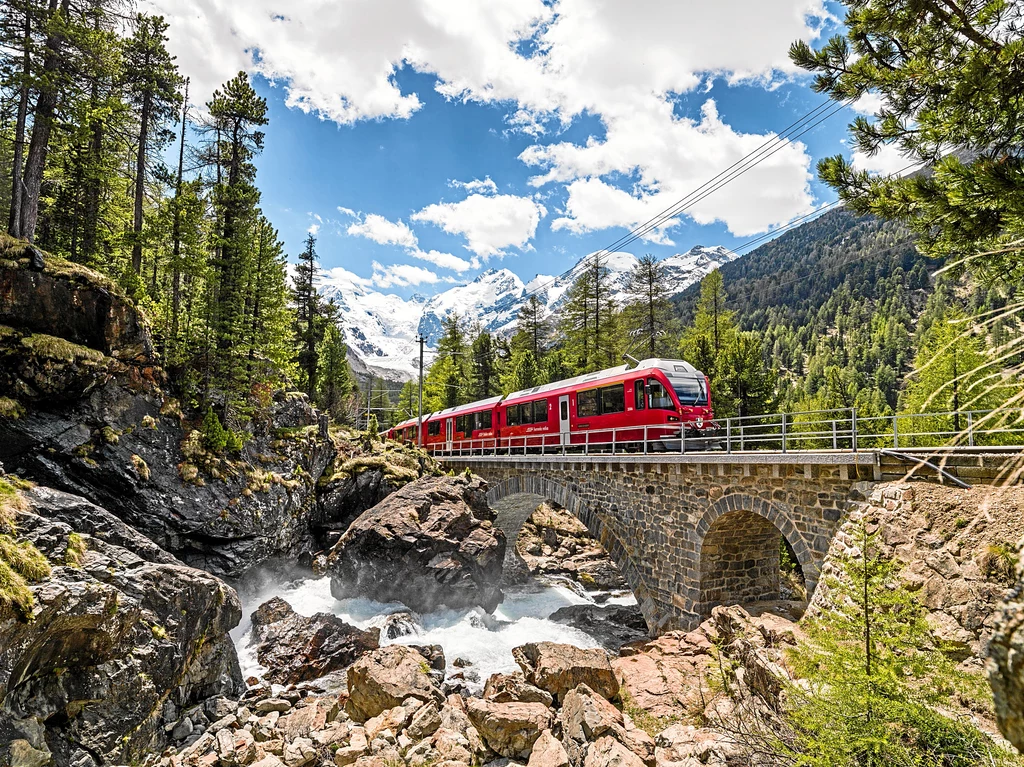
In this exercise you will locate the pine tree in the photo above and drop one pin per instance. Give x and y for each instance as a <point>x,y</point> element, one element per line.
<point>236,111</point>
<point>949,76</point>
<point>704,343</point>
<point>48,85</point>
<point>521,372</point>
<point>748,379</point>
<point>953,373</point>
<point>648,313</point>
<point>307,313</point>
<point>335,380</point>
<point>484,373</point>
<point>533,322</point>
<point>151,82</point>
<point>870,677</point>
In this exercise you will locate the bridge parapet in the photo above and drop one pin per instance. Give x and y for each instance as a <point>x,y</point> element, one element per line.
<point>692,531</point>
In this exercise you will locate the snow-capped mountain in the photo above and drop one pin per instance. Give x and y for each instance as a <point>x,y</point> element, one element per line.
<point>381,329</point>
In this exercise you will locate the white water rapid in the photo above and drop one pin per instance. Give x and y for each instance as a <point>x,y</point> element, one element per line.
<point>485,641</point>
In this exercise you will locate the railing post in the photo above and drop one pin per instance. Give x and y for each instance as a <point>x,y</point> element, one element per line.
<point>645,439</point>
<point>835,436</point>
<point>853,428</point>
<point>682,438</point>
<point>614,432</point>
<point>895,433</point>
<point>586,445</point>
<point>970,428</point>
<point>728,435</point>
<point>741,438</point>
<point>783,432</point>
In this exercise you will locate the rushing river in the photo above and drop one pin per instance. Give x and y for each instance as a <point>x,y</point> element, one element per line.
<point>486,641</point>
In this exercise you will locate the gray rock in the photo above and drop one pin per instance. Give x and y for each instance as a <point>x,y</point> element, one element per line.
<point>133,632</point>
<point>431,543</point>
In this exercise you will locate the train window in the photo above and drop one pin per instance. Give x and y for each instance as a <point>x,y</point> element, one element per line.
<point>586,403</point>
<point>690,391</point>
<point>483,419</point>
<point>565,410</point>
<point>434,428</point>
<point>657,397</point>
<point>513,415</point>
<point>540,411</point>
<point>613,399</point>
<point>638,394</point>
<point>460,424</point>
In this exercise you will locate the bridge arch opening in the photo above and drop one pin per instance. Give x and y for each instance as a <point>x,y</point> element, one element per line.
<point>750,552</point>
<point>517,498</point>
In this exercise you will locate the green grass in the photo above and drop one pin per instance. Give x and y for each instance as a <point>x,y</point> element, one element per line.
<point>60,349</point>
<point>11,409</point>
<point>646,721</point>
<point>76,549</point>
<point>20,564</point>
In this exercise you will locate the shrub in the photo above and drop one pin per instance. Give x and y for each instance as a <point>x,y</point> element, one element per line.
<point>215,437</point>
<point>141,467</point>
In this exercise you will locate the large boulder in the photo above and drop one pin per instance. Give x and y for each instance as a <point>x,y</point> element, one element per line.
<point>558,668</point>
<point>1006,663</point>
<point>82,409</point>
<point>586,716</point>
<point>611,625</point>
<point>509,729</point>
<point>431,543</point>
<point>385,678</point>
<point>121,639</point>
<point>294,648</point>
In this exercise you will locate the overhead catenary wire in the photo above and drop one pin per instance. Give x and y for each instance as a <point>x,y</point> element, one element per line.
<point>798,128</point>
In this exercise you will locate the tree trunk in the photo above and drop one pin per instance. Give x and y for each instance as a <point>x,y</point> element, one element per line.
<point>42,125</point>
<point>140,183</point>
<point>176,233</point>
<point>14,218</point>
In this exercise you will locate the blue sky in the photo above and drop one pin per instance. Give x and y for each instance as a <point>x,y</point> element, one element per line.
<point>426,140</point>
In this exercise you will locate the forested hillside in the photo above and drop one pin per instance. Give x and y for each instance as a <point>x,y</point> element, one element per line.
<point>92,107</point>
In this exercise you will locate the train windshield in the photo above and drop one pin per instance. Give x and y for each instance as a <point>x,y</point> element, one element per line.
<point>690,391</point>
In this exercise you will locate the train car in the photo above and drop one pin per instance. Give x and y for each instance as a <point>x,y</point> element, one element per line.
<point>406,431</point>
<point>658,402</point>
<point>465,428</point>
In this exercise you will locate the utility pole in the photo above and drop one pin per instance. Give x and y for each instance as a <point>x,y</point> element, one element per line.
<point>419,422</point>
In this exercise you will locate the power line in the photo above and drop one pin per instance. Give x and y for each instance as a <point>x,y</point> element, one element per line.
<point>738,168</point>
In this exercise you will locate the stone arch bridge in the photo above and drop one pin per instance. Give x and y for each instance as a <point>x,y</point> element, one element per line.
<point>689,532</point>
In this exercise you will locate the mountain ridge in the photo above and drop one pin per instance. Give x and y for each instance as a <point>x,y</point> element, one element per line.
<point>381,328</point>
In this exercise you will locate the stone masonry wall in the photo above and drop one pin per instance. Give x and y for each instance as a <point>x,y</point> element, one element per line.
<point>739,561</point>
<point>653,516</point>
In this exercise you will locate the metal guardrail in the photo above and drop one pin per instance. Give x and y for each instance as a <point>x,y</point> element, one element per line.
<point>841,430</point>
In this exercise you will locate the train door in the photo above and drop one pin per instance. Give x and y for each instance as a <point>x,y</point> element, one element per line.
<point>563,419</point>
<point>448,426</point>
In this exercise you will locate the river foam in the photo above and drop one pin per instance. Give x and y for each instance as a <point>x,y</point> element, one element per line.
<point>469,634</point>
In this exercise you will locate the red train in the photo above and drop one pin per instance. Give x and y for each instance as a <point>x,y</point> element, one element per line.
<point>658,404</point>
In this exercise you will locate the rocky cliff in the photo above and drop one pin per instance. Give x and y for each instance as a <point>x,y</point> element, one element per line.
<point>104,637</point>
<point>83,408</point>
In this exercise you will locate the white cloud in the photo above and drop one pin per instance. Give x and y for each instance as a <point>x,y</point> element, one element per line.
<point>476,185</point>
<point>445,260</point>
<point>886,161</point>
<point>402,275</point>
<point>315,224</point>
<point>489,223</point>
<point>347,211</point>
<point>343,278</point>
<point>671,157</point>
<point>868,104</point>
<point>546,61</point>
<point>383,232</point>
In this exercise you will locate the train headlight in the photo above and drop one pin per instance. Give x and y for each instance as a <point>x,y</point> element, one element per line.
<point>673,418</point>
